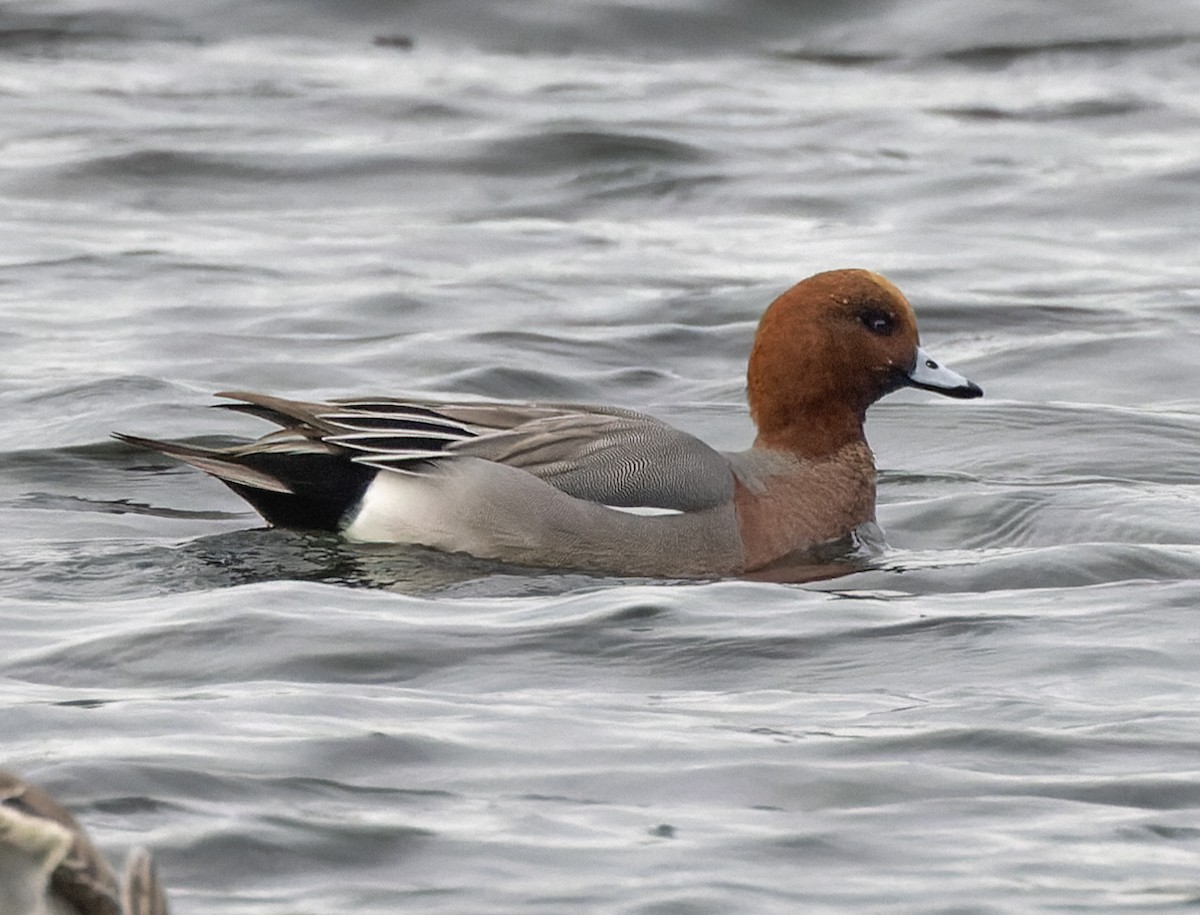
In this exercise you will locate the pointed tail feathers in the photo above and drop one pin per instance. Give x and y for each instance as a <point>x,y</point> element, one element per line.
<point>221,465</point>
<point>301,487</point>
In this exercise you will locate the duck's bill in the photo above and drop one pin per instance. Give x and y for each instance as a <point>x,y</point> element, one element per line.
<point>930,375</point>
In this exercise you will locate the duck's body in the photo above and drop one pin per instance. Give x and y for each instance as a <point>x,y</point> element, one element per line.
<point>554,485</point>
<point>48,866</point>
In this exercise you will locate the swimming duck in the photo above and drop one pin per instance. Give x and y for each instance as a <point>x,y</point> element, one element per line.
<point>568,486</point>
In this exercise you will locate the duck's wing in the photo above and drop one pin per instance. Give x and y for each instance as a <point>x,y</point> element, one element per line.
<point>31,820</point>
<point>617,458</point>
<point>610,456</point>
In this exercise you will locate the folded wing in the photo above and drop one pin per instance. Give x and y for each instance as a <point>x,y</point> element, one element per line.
<point>613,457</point>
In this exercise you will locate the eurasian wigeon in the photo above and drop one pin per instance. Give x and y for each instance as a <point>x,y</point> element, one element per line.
<point>48,866</point>
<point>552,485</point>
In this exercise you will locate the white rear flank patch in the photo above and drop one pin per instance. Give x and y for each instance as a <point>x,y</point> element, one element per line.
<point>402,508</point>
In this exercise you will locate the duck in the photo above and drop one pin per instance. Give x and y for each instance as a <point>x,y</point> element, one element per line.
<point>49,866</point>
<point>605,489</point>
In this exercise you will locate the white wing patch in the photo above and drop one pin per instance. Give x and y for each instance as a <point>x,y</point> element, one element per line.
<point>644,510</point>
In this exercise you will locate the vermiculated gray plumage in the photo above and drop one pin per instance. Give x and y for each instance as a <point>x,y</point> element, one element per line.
<point>311,471</point>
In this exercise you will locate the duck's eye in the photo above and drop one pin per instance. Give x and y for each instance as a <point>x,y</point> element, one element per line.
<point>878,322</point>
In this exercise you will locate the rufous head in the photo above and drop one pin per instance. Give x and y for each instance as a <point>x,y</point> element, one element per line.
<point>827,349</point>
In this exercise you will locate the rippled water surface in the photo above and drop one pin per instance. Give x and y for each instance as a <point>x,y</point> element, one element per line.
<point>594,202</point>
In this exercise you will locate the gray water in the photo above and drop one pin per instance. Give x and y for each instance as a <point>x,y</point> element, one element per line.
<point>594,202</point>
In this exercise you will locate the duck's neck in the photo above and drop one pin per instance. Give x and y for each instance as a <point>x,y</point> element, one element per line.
<point>814,434</point>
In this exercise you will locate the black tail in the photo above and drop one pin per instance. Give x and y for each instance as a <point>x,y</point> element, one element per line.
<point>311,490</point>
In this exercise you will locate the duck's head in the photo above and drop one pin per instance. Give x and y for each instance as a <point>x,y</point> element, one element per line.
<point>827,349</point>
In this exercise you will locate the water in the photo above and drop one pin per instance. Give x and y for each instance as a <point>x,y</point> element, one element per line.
<point>594,202</point>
